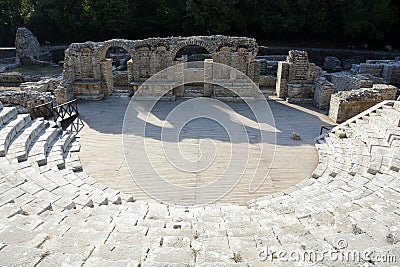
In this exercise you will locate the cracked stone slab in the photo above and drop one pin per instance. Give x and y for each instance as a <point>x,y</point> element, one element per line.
<point>16,256</point>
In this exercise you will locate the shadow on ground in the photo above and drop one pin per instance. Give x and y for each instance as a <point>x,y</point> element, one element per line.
<point>107,116</point>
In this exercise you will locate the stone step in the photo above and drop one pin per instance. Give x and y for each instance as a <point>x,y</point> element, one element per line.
<point>52,190</point>
<point>392,115</point>
<point>56,151</point>
<point>358,153</point>
<point>38,153</point>
<point>71,190</point>
<point>7,133</point>
<point>368,135</point>
<point>20,146</point>
<point>377,159</point>
<point>71,157</point>
<point>122,92</point>
<point>51,217</point>
<point>323,160</point>
<point>380,124</point>
<point>396,105</point>
<point>6,114</point>
<point>395,156</point>
<point>330,154</point>
<point>339,155</point>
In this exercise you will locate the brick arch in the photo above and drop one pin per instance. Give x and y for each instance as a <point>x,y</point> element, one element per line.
<point>119,43</point>
<point>188,42</point>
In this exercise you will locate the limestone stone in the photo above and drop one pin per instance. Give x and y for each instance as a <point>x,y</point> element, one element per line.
<point>393,235</point>
<point>347,104</point>
<point>295,78</point>
<point>351,211</point>
<point>332,64</point>
<point>88,74</point>
<point>27,45</point>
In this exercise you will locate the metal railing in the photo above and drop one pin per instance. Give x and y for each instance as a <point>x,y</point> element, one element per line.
<point>325,127</point>
<point>45,110</point>
<point>66,115</point>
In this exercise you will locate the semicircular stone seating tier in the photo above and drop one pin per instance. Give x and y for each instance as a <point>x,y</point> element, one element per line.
<point>52,213</point>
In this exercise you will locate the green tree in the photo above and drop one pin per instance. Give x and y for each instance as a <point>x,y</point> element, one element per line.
<point>280,20</point>
<point>58,20</point>
<point>210,16</point>
<point>111,19</point>
<point>367,19</point>
<point>13,14</point>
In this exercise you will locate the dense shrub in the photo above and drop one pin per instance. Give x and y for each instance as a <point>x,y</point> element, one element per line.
<point>338,21</point>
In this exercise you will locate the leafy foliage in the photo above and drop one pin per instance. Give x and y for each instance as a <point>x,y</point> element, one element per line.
<point>324,20</point>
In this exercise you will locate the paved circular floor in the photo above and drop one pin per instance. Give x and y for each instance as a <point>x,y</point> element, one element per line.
<point>102,154</point>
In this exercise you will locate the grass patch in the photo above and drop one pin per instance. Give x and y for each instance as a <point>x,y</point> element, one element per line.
<point>195,252</point>
<point>196,235</point>
<point>45,254</point>
<point>237,258</point>
<point>40,245</point>
<point>38,70</point>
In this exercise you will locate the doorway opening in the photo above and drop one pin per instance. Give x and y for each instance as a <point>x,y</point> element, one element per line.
<point>193,56</point>
<point>120,58</point>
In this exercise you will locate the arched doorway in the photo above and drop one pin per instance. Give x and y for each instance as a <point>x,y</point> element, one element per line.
<point>193,57</point>
<point>192,53</point>
<point>119,58</point>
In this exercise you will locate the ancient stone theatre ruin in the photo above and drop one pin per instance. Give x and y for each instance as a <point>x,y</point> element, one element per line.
<point>88,73</point>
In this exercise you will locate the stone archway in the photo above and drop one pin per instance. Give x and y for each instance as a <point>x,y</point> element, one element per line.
<point>102,51</point>
<point>190,41</point>
<point>88,74</point>
<point>193,68</point>
<point>107,75</point>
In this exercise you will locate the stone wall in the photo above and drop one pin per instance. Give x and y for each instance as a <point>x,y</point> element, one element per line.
<point>348,57</point>
<point>44,85</point>
<point>269,64</point>
<point>121,79</point>
<point>323,91</point>
<point>346,81</point>
<point>295,77</point>
<point>388,71</point>
<point>371,69</point>
<point>26,99</point>
<point>83,61</point>
<point>347,104</point>
<point>11,78</point>
<point>88,90</point>
<point>15,78</point>
<point>267,81</point>
<point>63,94</point>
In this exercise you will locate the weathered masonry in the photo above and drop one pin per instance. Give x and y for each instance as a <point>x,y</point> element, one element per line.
<point>88,73</point>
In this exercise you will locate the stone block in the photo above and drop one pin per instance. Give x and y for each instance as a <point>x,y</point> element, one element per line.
<point>344,105</point>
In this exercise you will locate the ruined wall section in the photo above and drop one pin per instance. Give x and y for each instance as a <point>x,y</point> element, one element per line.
<point>295,78</point>
<point>87,73</point>
<point>347,104</point>
<point>386,71</point>
<point>346,81</point>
